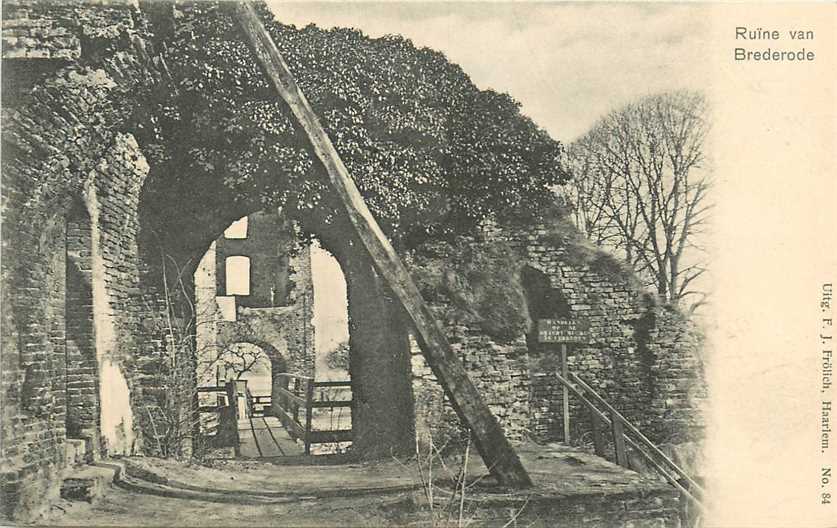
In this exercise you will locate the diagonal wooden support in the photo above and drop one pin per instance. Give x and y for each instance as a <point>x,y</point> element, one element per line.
<point>494,447</point>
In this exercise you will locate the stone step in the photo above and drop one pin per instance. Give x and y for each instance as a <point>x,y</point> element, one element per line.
<point>88,483</point>
<point>75,452</point>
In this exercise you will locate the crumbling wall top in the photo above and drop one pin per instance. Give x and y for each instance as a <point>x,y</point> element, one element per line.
<point>63,30</point>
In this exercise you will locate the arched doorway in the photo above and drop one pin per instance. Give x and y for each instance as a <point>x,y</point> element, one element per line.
<point>544,301</point>
<point>255,287</point>
<point>63,385</point>
<point>278,305</point>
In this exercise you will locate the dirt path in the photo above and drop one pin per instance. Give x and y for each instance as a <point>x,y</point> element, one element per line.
<point>569,482</point>
<point>124,508</point>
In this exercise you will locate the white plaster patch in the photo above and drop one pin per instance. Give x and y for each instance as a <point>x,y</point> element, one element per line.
<point>117,418</point>
<point>227,307</point>
<point>117,421</point>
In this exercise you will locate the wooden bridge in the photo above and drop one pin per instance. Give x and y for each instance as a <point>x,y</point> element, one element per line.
<point>264,437</point>
<point>296,406</point>
<point>258,427</point>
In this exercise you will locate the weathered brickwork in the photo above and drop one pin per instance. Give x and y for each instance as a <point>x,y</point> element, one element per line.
<point>267,246</point>
<point>642,357</point>
<point>40,419</point>
<point>53,30</point>
<point>96,296</point>
<point>82,366</point>
<point>283,330</point>
<point>500,373</point>
<point>70,193</point>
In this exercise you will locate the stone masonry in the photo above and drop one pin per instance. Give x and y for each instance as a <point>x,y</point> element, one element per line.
<point>97,280</point>
<point>642,357</point>
<point>276,315</point>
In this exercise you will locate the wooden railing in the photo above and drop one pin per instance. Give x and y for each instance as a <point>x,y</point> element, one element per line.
<point>295,402</point>
<point>331,435</point>
<point>289,399</point>
<point>625,434</point>
<point>216,409</point>
<point>220,402</point>
<point>246,397</point>
<point>260,404</point>
<point>226,409</point>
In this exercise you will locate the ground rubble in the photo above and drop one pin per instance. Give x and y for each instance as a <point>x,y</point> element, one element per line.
<point>571,487</point>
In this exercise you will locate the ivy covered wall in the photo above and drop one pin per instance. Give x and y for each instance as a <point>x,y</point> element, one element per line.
<point>156,118</point>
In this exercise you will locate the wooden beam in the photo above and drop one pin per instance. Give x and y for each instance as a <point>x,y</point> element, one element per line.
<point>619,441</point>
<point>309,398</point>
<point>327,437</point>
<point>494,447</point>
<point>330,404</point>
<point>294,429</point>
<point>598,439</point>
<point>332,383</point>
<point>289,396</point>
<point>565,395</point>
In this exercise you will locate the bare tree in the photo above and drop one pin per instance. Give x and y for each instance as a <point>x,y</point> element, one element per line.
<point>241,358</point>
<point>236,359</point>
<point>640,185</point>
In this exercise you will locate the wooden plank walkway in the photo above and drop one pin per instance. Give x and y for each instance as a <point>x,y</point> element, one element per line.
<point>264,436</point>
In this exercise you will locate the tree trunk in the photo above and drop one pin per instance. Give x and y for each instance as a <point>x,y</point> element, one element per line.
<point>662,286</point>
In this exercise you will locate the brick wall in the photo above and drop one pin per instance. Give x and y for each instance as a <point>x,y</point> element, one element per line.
<point>50,390</point>
<point>113,200</point>
<point>500,373</point>
<point>286,330</point>
<point>71,190</point>
<point>67,30</point>
<point>642,357</point>
<point>266,244</point>
<point>82,366</point>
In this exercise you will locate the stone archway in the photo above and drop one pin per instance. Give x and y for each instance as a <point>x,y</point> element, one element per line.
<point>262,361</point>
<point>380,369</point>
<point>170,154</point>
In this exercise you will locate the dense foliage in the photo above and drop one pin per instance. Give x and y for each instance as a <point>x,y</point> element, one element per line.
<point>477,282</point>
<point>431,153</point>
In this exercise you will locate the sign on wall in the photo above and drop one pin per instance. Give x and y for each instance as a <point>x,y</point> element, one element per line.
<point>562,331</point>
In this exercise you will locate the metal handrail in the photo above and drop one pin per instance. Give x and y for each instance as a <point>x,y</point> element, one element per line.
<point>617,417</point>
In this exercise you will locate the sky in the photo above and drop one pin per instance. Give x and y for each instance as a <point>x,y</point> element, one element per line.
<point>331,323</point>
<point>567,64</point>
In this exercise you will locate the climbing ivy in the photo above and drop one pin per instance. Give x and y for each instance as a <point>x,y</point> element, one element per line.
<point>476,281</point>
<point>431,153</point>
